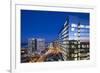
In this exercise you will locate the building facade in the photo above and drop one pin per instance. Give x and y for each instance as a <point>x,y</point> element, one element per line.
<point>74,41</point>
<point>36,45</point>
<point>32,44</point>
<point>40,45</point>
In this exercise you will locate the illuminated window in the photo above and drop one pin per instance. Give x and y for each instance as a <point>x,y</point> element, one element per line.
<point>72,46</point>
<point>64,32</point>
<point>81,26</point>
<point>75,42</point>
<point>87,46</point>
<point>64,29</point>
<point>64,42</point>
<point>86,26</point>
<point>75,34</point>
<point>78,42</point>
<point>79,46</point>
<point>83,46</point>
<point>73,25</point>
<point>72,29</point>
<point>65,35</point>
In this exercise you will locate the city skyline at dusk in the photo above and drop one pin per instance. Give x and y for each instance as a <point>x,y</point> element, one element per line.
<point>54,36</point>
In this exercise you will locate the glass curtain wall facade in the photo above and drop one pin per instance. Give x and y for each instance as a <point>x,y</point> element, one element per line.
<point>74,41</point>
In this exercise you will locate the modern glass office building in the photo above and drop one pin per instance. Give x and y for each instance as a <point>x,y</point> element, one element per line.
<point>74,40</point>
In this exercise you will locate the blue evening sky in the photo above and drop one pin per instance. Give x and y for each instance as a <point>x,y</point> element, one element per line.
<point>47,24</point>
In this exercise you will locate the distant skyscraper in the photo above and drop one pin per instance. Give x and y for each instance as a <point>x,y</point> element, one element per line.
<point>32,45</point>
<point>36,45</point>
<point>40,44</point>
